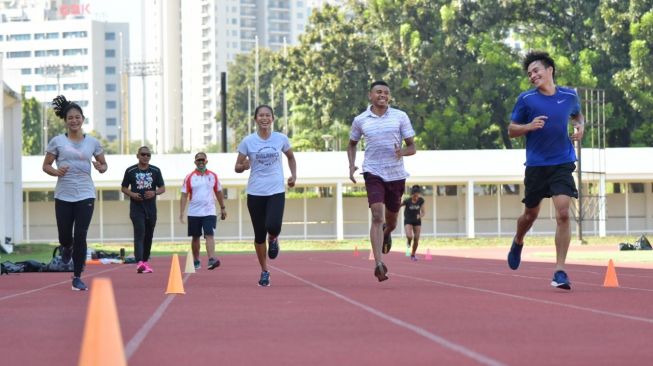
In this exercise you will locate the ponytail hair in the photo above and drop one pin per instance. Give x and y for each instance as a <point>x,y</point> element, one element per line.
<point>62,106</point>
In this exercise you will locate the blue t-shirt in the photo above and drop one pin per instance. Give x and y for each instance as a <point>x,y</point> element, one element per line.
<point>551,144</point>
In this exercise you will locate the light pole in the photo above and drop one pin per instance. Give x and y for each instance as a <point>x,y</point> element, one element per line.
<point>285,101</point>
<point>143,69</point>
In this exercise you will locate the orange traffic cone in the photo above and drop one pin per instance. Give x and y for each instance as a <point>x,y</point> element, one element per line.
<point>102,341</point>
<point>175,284</point>
<point>427,256</point>
<point>355,251</point>
<point>190,266</point>
<point>610,276</point>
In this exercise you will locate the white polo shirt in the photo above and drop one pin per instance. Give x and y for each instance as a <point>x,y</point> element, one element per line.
<point>202,190</point>
<point>382,134</point>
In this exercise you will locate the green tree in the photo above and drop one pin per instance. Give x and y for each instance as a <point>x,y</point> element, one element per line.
<point>450,68</point>
<point>32,122</point>
<point>55,125</point>
<point>241,89</point>
<point>636,81</point>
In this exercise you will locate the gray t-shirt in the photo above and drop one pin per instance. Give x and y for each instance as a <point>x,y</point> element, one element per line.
<point>76,184</point>
<point>266,163</point>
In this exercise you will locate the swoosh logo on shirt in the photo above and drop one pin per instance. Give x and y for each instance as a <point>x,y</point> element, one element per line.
<point>561,101</point>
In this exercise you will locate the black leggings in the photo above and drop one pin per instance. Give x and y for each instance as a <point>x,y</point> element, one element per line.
<point>73,219</point>
<point>266,213</point>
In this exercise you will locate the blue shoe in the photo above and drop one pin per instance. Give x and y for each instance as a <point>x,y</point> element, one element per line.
<point>514,256</point>
<point>265,279</point>
<point>273,248</point>
<point>66,254</point>
<point>78,285</point>
<point>197,264</point>
<point>213,263</point>
<point>560,280</point>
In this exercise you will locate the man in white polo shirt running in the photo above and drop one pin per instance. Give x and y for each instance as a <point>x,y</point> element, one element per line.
<point>200,189</point>
<point>384,129</point>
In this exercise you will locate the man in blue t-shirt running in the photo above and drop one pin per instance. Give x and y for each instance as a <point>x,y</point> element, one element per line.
<point>542,115</point>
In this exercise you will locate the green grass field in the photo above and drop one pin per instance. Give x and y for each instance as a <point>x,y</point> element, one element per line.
<point>42,252</point>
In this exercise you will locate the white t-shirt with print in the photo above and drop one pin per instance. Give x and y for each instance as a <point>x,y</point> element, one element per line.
<point>266,163</point>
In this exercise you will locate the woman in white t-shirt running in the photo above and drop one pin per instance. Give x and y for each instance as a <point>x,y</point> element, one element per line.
<point>266,192</point>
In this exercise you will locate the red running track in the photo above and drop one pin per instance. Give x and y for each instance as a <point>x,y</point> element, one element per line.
<point>328,309</point>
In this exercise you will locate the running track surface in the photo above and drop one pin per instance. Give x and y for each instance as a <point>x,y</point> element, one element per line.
<point>328,309</point>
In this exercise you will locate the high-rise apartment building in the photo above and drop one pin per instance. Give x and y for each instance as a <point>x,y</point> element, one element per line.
<point>198,39</point>
<point>54,49</point>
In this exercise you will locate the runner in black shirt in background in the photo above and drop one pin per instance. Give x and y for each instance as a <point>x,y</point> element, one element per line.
<point>413,213</point>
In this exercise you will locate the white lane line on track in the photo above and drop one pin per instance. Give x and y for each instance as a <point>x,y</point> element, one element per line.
<point>531,277</point>
<point>52,285</point>
<point>132,346</point>
<point>505,294</point>
<point>480,358</point>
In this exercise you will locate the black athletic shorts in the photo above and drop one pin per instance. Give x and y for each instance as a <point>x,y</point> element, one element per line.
<point>199,224</point>
<point>547,181</point>
<point>417,222</point>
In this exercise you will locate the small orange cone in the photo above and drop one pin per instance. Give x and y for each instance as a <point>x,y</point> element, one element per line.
<point>102,341</point>
<point>175,284</point>
<point>371,257</point>
<point>190,266</point>
<point>610,276</point>
<point>427,256</point>
<point>355,251</point>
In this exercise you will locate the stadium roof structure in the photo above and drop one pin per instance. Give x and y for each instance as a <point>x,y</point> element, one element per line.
<point>329,168</point>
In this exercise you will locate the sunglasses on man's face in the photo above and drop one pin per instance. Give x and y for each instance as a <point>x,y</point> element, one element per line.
<point>200,160</point>
<point>146,154</point>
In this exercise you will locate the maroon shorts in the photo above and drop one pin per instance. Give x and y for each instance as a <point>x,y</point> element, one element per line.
<point>388,193</point>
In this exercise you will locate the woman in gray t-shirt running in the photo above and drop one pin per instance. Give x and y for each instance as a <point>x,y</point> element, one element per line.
<point>74,194</point>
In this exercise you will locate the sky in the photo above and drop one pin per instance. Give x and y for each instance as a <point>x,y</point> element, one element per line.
<point>128,11</point>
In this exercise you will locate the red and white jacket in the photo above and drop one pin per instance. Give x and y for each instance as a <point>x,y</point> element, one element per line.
<point>202,190</point>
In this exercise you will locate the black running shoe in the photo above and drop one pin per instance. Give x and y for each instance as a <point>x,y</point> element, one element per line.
<point>78,285</point>
<point>273,248</point>
<point>214,263</point>
<point>387,242</point>
<point>380,272</point>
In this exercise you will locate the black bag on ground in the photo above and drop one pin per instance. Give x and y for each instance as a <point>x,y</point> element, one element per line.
<point>626,246</point>
<point>643,244</point>
<point>31,265</point>
<point>57,264</point>
<point>100,254</point>
<point>11,267</point>
<point>3,270</point>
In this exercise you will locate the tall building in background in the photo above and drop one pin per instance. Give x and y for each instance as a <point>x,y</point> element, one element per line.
<point>162,99</point>
<point>54,47</point>
<point>193,42</point>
